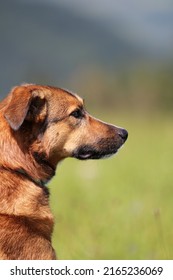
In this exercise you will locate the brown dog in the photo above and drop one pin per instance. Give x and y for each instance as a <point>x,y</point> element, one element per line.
<point>39,127</point>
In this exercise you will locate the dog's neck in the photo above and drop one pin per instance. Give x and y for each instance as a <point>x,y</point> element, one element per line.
<point>39,172</point>
<point>40,183</point>
<point>32,162</point>
<point>23,173</point>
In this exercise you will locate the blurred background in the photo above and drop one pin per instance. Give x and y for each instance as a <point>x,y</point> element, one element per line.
<point>117,55</point>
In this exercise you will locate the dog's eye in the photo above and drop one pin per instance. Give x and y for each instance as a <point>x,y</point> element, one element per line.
<point>77,114</point>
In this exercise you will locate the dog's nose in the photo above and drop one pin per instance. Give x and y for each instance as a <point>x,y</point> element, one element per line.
<point>123,134</point>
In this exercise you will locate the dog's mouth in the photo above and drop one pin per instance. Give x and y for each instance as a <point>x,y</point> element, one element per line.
<point>92,155</point>
<point>89,152</point>
<point>104,148</point>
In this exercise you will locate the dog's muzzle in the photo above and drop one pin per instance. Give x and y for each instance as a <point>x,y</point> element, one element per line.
<point>103,148</point>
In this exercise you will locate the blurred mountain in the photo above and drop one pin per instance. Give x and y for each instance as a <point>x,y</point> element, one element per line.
<point>149,23</point>
<point>45,43</point>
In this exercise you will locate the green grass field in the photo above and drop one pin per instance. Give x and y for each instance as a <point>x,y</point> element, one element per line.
<point>122,207</point>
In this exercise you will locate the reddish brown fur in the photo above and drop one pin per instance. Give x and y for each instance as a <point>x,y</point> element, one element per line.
<point>37,130</point>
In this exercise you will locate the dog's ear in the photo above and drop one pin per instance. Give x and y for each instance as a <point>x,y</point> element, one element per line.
<point>18,107</point>
<point>24,104</point>
<point>38,108</point>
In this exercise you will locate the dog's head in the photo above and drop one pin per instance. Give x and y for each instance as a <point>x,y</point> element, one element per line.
<point>54,122</point>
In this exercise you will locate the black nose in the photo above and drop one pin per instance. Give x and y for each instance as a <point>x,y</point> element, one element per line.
<point>123,134</point>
